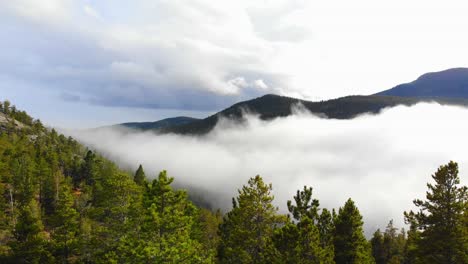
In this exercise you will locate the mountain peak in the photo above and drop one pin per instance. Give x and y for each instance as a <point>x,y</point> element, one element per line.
<point>450,83</point>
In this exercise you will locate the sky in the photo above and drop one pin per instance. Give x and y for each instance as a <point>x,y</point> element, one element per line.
<point>85,63</point>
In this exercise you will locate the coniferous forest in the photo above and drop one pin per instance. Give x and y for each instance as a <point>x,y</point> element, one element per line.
<point>63,203</point>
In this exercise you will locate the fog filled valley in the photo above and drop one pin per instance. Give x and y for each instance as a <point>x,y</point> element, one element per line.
<point>380,161</point>
<point>294,189</point>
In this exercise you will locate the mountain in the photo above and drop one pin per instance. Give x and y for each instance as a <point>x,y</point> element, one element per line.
<point>174,121</point>
<point>449,83</point>
<point>446,87</point>
<point>271,106</point>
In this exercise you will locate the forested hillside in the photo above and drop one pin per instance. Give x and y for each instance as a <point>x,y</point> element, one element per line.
<point>63,203</point>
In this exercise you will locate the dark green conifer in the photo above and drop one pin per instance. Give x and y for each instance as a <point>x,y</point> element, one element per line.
<point>351,246</point>
<point>440,219</point>
<point>247,230</point>
<point>140,178</point>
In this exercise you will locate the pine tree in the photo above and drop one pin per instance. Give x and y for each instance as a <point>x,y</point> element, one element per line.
<point>89,169</point>
<point>393,244</point>
<point>388,247</point>
<point>140,178</point>
<point>303,244</point>
<point>377,247</point>
<point>30,244</point>
<point>66,222</point>
<point>326,228</point>
<point>247,230</point>
<point>411,254</point>
<point>167,228</point>
<point>440,218</point>
<point>304,205</point>
<point>351,247</point>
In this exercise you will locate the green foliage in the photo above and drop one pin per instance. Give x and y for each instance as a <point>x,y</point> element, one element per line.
<point>247,230</point>
<point>30,244</point>
<point>302,242</point>
<point>66,224</point>
<point>140,178</point>
<point>440,219</point>
<point>167,228</point>
<point>350,244</point>
<point>388,247</point>
<point>304,205</point>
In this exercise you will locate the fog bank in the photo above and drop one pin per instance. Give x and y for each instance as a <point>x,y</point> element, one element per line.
<point>381,161</point>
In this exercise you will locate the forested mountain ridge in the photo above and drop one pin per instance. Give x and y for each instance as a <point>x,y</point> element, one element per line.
<point>271,106</point>
<point>62,203</point>
<point>163,123</point>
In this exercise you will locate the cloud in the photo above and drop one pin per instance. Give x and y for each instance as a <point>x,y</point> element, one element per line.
<point>91,12</point>
<point>383,162</point>
<point>157,54</point>
<point>150,53</point>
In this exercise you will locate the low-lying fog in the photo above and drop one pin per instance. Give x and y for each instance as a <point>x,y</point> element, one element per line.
<point>382,161</point>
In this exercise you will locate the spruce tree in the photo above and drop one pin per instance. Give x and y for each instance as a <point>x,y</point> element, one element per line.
<point>247,230</point>
<point>351,246</point>
<point>140,177</point>
<point>440,218</point>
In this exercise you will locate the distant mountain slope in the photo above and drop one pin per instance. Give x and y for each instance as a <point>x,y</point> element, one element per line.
<point>448,83</point>
<point>272,106</point>
<point>174,121</point>
<point>445,87</point>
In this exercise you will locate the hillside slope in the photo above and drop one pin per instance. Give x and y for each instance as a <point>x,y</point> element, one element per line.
<point>63,203</point>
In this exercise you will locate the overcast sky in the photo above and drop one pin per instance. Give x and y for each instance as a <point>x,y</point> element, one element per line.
<point>82,63</point>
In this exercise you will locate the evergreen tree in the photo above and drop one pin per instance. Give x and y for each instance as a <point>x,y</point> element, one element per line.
<point>304,205</point>
<point>440,218</point>
<point>66,222</point>
<point>411,254</point>
<point>30,244</point>
<point>167,228</point>
<point>326,228</point>
<point>140,177</point>
<point>247,230</point>
<point>351,247</point>
<point>89,169</point>
<point>388,247</point>
<point>303,243</point>
<point>377,247</point>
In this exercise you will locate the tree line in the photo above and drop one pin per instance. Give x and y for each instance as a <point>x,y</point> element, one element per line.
<point>63,203</point>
